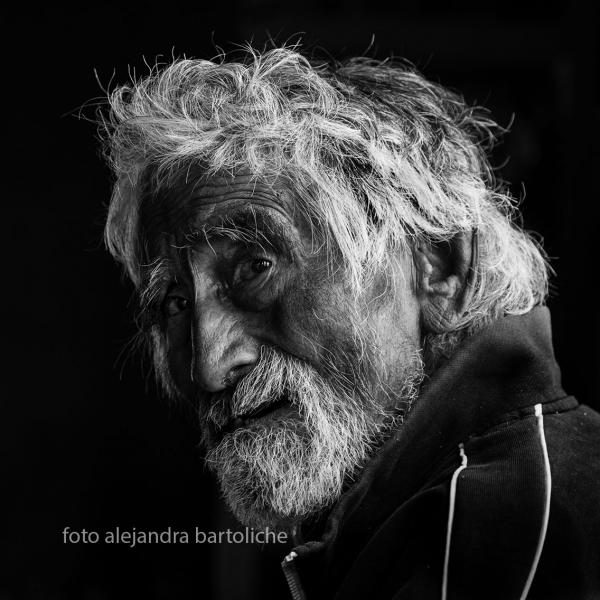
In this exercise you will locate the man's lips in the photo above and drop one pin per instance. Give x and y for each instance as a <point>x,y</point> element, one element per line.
<point>259,412</point>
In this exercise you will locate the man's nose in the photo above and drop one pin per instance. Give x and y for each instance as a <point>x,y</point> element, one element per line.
<point>223,352</point>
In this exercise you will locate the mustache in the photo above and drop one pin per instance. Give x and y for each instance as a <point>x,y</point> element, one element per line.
<point>275,376</point>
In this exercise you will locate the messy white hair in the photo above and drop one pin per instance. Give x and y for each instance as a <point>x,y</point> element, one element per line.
<point>377,156</point>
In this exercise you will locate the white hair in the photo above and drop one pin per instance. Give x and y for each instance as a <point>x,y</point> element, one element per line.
<point>377,156</point>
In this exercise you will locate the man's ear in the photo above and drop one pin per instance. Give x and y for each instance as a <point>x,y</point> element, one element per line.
<point>445,280</point>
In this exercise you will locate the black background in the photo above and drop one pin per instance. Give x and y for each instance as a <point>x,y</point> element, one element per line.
<point>86,441</point>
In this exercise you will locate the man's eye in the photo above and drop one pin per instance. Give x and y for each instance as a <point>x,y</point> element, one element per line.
<point>260,265</point>
<point>173,305</point>
<point>251,269</point>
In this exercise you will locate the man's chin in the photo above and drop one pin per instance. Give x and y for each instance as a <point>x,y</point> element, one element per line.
<point>263,475</point>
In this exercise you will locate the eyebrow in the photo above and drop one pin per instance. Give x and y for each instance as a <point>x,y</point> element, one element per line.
<point>252,226</point>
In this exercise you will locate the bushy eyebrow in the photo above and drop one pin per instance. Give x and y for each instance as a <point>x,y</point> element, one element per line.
<point>252,226</point>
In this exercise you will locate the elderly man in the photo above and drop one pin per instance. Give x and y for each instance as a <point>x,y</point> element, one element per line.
<point>327,270</point>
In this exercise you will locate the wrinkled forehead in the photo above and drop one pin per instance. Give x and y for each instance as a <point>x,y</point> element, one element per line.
<point>195,205</point>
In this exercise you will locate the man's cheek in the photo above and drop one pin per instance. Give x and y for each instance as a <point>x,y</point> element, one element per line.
<point>312,323</point>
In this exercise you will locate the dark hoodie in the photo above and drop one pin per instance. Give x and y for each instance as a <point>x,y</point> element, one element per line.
<point>490,489</point>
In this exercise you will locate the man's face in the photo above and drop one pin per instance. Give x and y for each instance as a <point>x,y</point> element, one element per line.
<point>296,377</point>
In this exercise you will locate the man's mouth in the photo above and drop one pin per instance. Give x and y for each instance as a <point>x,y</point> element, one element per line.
<point>264,410</point>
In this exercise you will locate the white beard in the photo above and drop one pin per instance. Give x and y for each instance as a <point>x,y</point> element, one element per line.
<point>279,471</point>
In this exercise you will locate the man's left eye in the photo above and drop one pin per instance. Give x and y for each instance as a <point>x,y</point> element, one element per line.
<point>252,269</point>
<point>260,265</point>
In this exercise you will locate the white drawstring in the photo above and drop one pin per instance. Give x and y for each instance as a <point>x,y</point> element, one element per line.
<point>451,518</point>
<point>547,491</point>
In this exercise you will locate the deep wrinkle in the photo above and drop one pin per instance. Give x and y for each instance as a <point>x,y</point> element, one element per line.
<point>254,224</point>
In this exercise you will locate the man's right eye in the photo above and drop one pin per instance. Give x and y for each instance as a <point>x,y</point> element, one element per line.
<point>174,305</point>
